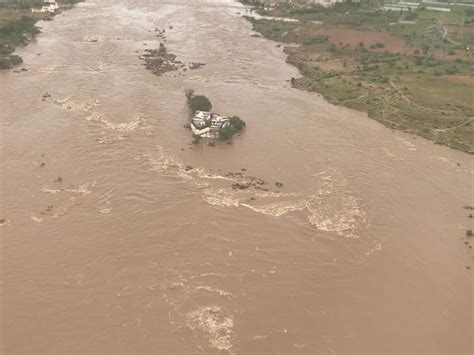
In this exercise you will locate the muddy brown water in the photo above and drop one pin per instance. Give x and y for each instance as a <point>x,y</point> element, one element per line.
<point>360,251</point>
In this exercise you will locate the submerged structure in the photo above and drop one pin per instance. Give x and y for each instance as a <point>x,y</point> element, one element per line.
<point>208,124</point>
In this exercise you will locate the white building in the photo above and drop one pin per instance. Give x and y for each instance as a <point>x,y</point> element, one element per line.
<point>48,6</point>
<point>208,124</point>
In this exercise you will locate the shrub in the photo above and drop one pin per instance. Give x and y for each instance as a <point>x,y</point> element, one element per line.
<point>451,71</point>
<point>15,59</point>
<point>9,61</point>
<point>162,50</point>
<point>315,40</point>
<point>199,103</point>
<point>226,133</point>
<point>189,94</point>
<point>237,123</point>
<point>4,63</point>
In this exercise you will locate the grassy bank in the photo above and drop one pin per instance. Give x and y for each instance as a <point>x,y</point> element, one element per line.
<point>18,27</point>
<point>389,64</point>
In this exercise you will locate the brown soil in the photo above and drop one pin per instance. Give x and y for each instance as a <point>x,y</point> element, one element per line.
<point>353,37</point>
<point>461,79</point>
<point>459,29</point>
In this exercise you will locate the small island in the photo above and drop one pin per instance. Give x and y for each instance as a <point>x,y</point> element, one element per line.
<point>207,124</point>
<point>159,61</point>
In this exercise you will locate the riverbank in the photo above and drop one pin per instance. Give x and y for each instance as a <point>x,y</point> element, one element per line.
<point>385,63</point>
<point>18,27</point>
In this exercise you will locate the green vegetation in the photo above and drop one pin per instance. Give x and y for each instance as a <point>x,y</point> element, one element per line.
<point>17,27</point>
<point>160,61</point>
<point>226,133</point>
<point>162,50</point>
<point>236,125</point>
<point>197,102</point>
<point>387,63</point>
<point>202,103</point>
<point>12,34</point>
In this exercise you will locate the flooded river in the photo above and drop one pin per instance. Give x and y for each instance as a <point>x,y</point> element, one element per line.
<point>119,236</point>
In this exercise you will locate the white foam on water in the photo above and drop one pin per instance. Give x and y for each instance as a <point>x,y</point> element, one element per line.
<point>130,126</point>
<point>90,107</point>
<point>376,248</point>
<point>343,216</point>
<point>47,216</point>
<point>330,208</point>
<point>36,219</point>
<point>84,189</point>
<point>206,175</point>
<point>105,208</point>
<point>220,197</point>
<point>164,165</point>
<point>50,191</point>
<point>207,274</point>
<point>212,321</point>
<point>407,143</point>
<point>211,289</point>
<point>278,209</point>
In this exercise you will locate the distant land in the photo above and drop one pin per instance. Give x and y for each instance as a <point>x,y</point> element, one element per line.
<point>408,65</point>
<point>18,24</point>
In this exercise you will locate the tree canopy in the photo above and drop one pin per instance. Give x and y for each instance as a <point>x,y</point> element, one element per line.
<point>199,103</point>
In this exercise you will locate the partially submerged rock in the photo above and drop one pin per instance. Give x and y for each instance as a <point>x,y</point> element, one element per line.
<point>241,185</point>
<point>159,61</point>
<point>196,65</point>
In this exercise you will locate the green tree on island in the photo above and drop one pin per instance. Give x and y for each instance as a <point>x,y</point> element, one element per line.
<point>197,102</point>
<point>202,103</point>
